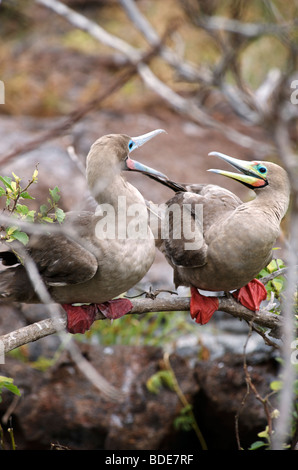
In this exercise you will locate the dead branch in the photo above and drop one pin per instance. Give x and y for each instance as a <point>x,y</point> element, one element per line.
<point>66,124</point>
<point>174,100</point>
<point>248,30</point>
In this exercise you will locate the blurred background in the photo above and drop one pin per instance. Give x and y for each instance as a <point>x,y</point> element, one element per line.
<point>217,76</point>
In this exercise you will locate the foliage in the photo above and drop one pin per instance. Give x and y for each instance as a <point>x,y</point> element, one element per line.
<point>14,194</point>
<point>276,285</point>
<point>185,420</point>
<point>166,377</point>
<point>147,329</point>
<point>7,382</point>
<point>160,379</point>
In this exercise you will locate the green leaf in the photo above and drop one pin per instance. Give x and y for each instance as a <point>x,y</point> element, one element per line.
<point>183,423</point>
<point>43,209</point>
<point>20,236</point>
<point>156,381</point>
<point>6,181</point>
<point>7,382</point>
<point>257,445</point>
<point>16,178</point>
<point>263,273</point>
<point>54,194</point>
<point>10,230</point>
<point>264,434</point>
<point>275,264</point>
<point>2,191</point>
<point>60,215</point>
<point>12,388</point>
<point>30,216</point>
<point>26,195</point>
<point>276,385</point>
<point>47,219</point>
<point>22,209</point>
<point>5,379</point>
<point>278,284</point>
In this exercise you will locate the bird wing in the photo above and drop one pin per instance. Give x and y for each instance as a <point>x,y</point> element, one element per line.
<point>61,259</point>
<point>207,205</point>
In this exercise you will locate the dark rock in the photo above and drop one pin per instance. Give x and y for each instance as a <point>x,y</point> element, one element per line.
<point>224,394</point>
<point>61,406</point>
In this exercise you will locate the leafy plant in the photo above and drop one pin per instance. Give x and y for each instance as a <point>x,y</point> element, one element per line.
<point>160,379</point>
<point>277,284</point>
<point>148,329</point>
<point>185,420</point>
<point>7,382</point>
<point>14,194</point>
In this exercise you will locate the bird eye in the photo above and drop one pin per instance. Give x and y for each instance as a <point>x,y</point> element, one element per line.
<point>262,169</point>
<point>130,145</point>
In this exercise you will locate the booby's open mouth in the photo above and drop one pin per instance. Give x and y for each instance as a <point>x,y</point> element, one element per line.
<point>253,173</point>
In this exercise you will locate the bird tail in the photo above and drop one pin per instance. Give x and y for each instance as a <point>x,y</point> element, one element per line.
<point>15,285</point>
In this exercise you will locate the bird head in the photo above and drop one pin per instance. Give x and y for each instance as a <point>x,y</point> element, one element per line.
<point>133,143</point>
<point>110,155</point>
<point>266,178</point>
<point>253,174</point>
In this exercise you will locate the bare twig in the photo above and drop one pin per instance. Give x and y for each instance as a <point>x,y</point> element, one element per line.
<point>174,100</point>
<point>65,124</point>
<point>249,30</point>
<point>250,386</point>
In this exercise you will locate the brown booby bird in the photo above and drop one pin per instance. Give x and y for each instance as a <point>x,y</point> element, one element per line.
<point>105,255</point>
<point>233,239</point>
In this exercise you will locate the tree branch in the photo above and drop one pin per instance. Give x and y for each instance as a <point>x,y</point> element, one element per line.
<point>47,327</point>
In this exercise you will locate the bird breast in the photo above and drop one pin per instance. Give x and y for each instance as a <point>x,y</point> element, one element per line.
<point>121,265</point>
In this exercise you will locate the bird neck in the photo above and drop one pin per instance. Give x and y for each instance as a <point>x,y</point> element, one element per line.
<point>117,193</point>
<point>271,202</point>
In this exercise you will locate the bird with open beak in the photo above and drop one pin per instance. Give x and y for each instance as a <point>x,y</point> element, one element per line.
<point>236,238</point>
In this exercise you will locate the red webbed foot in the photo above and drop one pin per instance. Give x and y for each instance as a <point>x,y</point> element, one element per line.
<point>115,308</point>
<point>81,317</point>
<point>251,295</point>
<point>201,307</point>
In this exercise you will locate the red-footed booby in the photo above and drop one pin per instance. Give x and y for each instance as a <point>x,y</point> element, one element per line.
<point>105,255</point>
<point>233,239</point>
